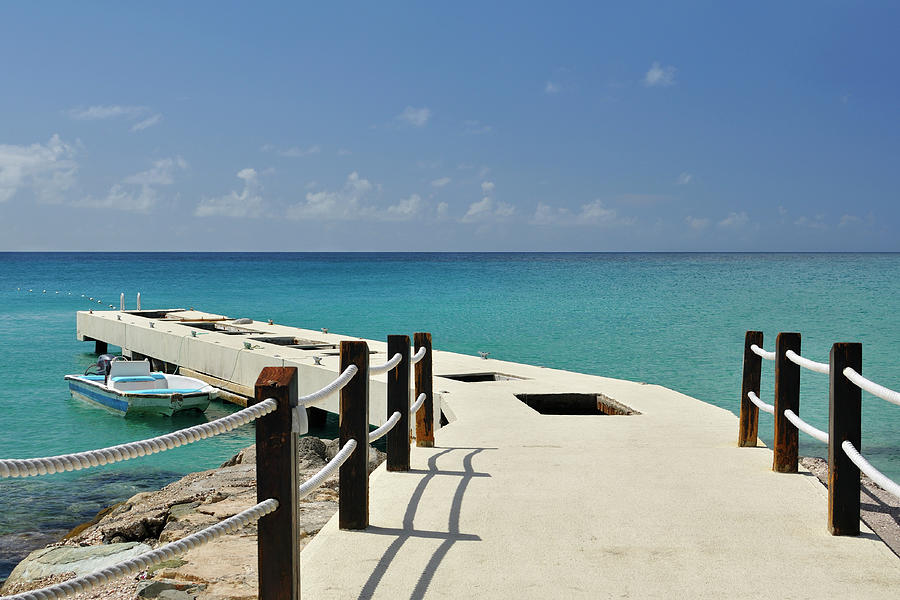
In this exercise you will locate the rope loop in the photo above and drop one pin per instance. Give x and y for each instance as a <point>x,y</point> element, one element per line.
<point>806,363</point>
<point>418,404</point>
<point>384,368</point>
<point>872,387</point>
<point>335,386</point>
<point>319,478</point>
<point>866,467</point>
<point>762,353</point>
<point>762,405</point>
<point>384,429</point>
<point>418,355</point>
<point>805,427</point>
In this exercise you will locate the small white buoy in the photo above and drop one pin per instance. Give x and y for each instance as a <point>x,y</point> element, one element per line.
<point>57,291</point>
<point>91,298</point>
<point>44,292</point>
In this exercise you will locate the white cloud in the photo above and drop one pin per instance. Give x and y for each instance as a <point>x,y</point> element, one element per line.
<point>292,152</point>
<point>344,152</point>
<point>596,213</point>
<point>487,187</point>
<point>817,222</point>
<point>246,203</point>
<point>344,204</point>
<point>551,88</point>
<point>148,122</point>
<point>697,223</point>
<point>477,128</point>
<point>443,210</point>
<point>162,172</point>
<point>849,220</point>
<point>416,117</point>
<point>439,183</point>
<point>592,213</point>
<point>113,111</point>
<point>405,209</point>
<point>735,220</point>
<point>48,170</point>
<point>684,179</point>
<point>660,76</point>
<point>487,208</point>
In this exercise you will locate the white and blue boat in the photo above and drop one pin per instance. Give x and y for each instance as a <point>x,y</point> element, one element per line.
<point>128,387</point>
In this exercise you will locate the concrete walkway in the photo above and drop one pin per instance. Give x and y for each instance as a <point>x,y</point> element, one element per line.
<point>512,503</point>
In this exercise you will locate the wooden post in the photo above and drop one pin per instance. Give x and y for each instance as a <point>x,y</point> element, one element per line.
<point>749,423</point>
<point>100,347</point>
<point>844,416</point>
<point>398,400</point>
<point>353,504</point>
<point>425,415</point>
<point>278,560</point>
<point>787,396</point>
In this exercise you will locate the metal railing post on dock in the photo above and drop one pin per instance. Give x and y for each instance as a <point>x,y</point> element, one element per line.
<point>787,397</point>
<point>353,503</point>
<point>844,423</point>
<point>278,559</point>
<point>398,401</point>
<point>749,422</point>
<point>425,415</point>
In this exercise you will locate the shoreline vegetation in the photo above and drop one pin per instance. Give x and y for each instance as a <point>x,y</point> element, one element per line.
<point>224,568</point>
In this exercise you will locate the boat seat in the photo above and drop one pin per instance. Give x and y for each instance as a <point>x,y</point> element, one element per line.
<point>133,379</point>
<point>164,391</point>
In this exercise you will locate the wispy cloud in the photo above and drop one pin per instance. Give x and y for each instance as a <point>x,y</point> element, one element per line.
<point>735,220</point>
<point>439,183</point>
<point>849,220</point>
<point>245,203</point>
<point>594,213</point>
<point>404,210</point>
<point>684,179</point>
<point>660,76</point>
<point>117,111</point>
<point>552,87</point>
<point>161,173</point>
<point>476,128</point>
<point>48,170</point>
<point>417,117</point>
<point>697,223</point>
<point>816,222</point>
<point>138,192</point>
<point>344,152</point>
<point>346,203</point>
<point>293,151</point>
<point>488,208</point>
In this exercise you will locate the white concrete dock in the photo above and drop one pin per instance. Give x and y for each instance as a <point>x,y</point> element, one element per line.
<point>512,503</point>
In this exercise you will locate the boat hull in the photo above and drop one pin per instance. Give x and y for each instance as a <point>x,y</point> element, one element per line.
<point>145,403</point>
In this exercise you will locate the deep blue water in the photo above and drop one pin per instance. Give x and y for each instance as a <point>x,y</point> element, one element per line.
<point>673,319</point>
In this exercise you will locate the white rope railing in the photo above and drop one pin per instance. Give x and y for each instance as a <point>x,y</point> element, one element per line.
<point>805,427</point>
<point>384,368</point>
<point>762,405</point>
<point>418,355</point>
<point>333,387</point>
<point>29,467</point>
<point>319,478</point>
<point>806,363</point>
<point>384,429</point>
<point>874,474</point>
<point>139,563</point>
<point>418,404</point>
<point>762,353</point>
<point>872,387</point>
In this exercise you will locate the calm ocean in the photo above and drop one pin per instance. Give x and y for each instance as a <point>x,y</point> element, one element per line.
<point>677,320</point>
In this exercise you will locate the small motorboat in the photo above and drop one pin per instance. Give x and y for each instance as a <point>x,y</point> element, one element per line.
<point>128,387</point>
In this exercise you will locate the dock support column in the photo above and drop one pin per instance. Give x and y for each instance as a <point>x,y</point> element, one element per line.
<point>425,415</point>
<point>787,396</point>
<point>278,558</point>
<point>749,423</point>
<point>398,401</point>
<point>100,347</point>
<point>353,503</point>
<point>844,416</point>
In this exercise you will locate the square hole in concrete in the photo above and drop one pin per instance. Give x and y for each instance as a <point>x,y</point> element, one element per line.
<point>476,377</point>
<point>575,404</point>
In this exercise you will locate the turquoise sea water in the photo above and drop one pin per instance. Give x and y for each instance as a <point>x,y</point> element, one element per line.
<point>673,319</point>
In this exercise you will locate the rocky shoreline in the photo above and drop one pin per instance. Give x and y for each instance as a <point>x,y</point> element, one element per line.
<point>222,569</point>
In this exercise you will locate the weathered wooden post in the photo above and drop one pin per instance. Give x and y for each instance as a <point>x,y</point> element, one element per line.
<point>749,422</point>
<point>425,415</point>
<point>844,423</point>
<point>353,504</point>
<point>398,401</point>
<point>787,396</point>
<point>278,560</point>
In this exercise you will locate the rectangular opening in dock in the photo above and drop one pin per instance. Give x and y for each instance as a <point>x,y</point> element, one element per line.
<point>219,328</point>
<point>478,377</point>
<point>575,404</point>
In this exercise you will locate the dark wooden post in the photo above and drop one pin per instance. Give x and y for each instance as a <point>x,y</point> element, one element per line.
<point>398,401</point>
<point>844,415</point>
<point>353,503</point>
<point>787,396</point>
<point>749,423</point>
<point>278,559</point>
<point>425,415</point>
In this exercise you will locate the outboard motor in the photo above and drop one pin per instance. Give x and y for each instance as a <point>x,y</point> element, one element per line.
<point>102,367</point>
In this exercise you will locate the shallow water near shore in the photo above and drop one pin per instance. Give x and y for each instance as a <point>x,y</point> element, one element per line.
<point>676,320</point>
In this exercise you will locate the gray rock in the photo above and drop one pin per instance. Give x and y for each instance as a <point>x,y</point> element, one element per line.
<point>80,560</point>
<point>169,589</point>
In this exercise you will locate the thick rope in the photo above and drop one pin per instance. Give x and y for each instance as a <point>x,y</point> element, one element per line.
<point>762,405</point>
<point>384,368</point>
<point>872,387</point>
<point>762,353</point>
<point>806,363</point>
<point>417,356</point>
<point>874,474</point>
<point>333,387</point>
<point>806,427</point>
<point>319,478</point>
<point>383,430</point>
<point>418,404</point>
<point>139,563</point>
<point>26,467</point>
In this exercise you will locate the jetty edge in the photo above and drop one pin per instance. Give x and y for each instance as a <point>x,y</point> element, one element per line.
<point>658,504</point>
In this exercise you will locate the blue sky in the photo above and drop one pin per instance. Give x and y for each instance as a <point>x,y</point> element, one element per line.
<point>471,127</point>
